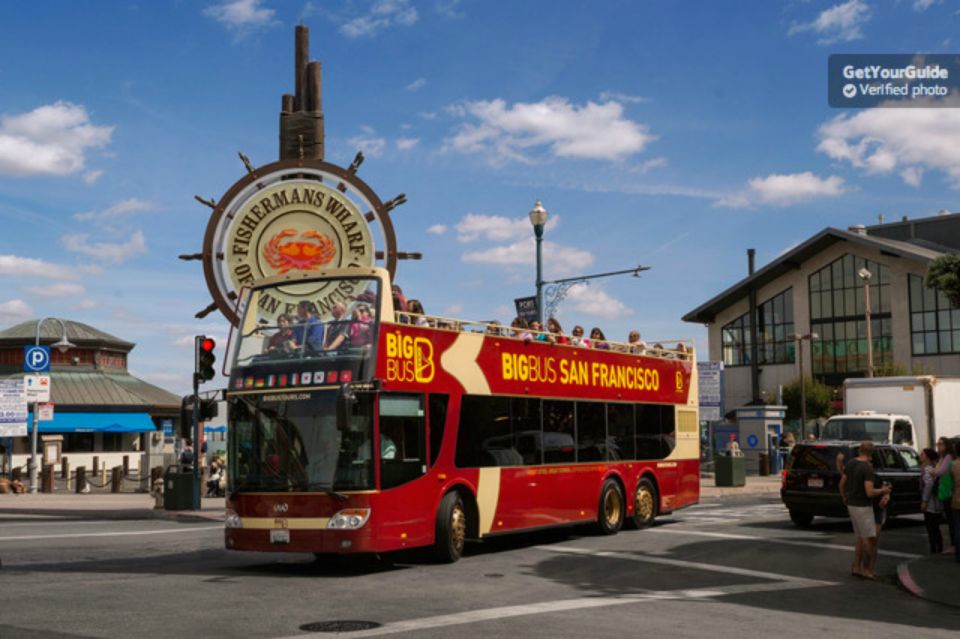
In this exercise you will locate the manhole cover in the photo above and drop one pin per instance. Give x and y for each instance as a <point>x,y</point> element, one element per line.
<point>339,626</point>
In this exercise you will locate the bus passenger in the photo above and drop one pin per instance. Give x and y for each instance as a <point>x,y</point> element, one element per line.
<point>415,308</point>
<point>681,350</point>
<point>519,329</point>
<point>309,330</point>
<point>537,329</point>
<point>493,328</point>
<point>284,340</point>
<point>338,332</point>
<point>555,331</point>
<point>361,329</point>
<point>598,340</point>
<point>578,339</point>
<point>635,345</point>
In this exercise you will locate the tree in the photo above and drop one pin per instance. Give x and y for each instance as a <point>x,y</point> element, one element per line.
<point>943,275</point>
<point>819,398</point>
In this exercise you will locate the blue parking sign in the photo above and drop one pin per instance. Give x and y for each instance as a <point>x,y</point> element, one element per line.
<point>36,359</point>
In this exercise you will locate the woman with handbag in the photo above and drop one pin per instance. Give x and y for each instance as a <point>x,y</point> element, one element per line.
<point>945,485</point>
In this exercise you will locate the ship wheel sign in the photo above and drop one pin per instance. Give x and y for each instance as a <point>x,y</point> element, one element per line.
<point>294,216</point>
<point>297,215</point>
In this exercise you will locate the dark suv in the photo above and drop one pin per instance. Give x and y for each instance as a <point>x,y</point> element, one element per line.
<point>812,477</point>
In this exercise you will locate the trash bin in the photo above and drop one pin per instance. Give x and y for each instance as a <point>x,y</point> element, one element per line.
<point>177,489</point>
<point>764,463</point>
<point>730,471</point>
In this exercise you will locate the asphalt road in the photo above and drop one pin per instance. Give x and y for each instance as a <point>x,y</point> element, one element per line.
<point>736,568</point>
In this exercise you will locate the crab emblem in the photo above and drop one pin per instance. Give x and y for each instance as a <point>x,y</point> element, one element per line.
<point>312,251</point>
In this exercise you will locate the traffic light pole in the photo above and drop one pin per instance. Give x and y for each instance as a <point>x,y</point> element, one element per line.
<point>196,441</point>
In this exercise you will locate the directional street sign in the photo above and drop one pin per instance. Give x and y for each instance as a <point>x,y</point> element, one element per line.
<point>36,359</point>
<point>37,387</point>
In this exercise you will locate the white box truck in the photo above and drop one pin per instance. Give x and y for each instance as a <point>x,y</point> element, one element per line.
<point>931,403</point>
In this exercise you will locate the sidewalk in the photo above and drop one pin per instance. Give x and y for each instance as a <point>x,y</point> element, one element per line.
<point>933,578</point>
<point>103,506</point>
<point>755,486</point>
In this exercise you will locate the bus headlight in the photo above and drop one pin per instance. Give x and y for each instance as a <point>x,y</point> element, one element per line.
<point>349,519</point>
<point>233,520</point>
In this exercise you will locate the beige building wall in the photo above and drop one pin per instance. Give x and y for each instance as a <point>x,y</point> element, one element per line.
<point>737,389</point>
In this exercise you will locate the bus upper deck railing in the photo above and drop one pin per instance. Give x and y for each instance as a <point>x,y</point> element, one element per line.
<point>683,349</point>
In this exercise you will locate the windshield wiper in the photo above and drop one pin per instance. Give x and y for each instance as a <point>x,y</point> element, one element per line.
<point>324,488</point>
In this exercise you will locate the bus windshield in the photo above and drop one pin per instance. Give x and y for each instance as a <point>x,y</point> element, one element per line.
<point>857,429</point>
<point>291,442</point>
<point>327,323</point>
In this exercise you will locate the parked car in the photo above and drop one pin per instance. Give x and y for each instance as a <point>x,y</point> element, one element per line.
<point>811,479</point>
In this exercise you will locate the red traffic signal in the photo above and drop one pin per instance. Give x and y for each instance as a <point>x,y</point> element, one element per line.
<point>204,357</point>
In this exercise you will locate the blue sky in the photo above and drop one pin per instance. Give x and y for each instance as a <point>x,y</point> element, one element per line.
<point>669,134</point>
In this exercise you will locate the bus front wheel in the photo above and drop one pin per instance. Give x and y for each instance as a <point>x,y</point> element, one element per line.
<point>644,504</point>
<point>612,507</point>
<point>451,529</point>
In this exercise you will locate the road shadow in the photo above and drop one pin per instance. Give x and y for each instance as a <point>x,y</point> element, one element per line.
<point>848,598</point>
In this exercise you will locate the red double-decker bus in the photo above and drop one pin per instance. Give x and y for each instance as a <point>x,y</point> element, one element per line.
<point>353,431</point>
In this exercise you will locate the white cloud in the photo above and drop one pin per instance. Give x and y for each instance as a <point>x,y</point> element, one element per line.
<point>84,305</point>
<point>614,96</point>
<point>437,229</point>
<point>453,310</point>
<point>50,140</point>
<point>405,144</point>
<point>15,311</point>
<point>879,141</point>
<point>240,14</point>
<point>521,131</point>
<point>449,8</point>
<point>62,289</point>
<point>91,177</point>
<point>124,207</point>
<point>594,301</point>
<point>382,15</point>
<point>428,115</point>
<point>30,267</point>
<point>923,5</point>
<point>417,84</point>
<point>368,142</point>
<point>839,23</point>
<point>784,190</point>
<point>105,251</point>
<point>496,228</point>
<point>649,165</point>
<point>561,260</point>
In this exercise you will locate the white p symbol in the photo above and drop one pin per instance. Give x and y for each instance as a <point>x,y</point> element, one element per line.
<point>37,358</point>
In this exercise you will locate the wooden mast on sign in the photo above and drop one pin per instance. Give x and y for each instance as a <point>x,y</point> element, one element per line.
<point>301,115</point>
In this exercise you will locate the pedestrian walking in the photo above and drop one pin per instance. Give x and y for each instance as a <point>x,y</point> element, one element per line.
<point>857,491</point>
<point>955,509</point>
<point>944,493</point>
<point>930,506</point>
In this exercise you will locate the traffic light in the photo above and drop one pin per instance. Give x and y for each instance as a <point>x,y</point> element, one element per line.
<point>208,409</point>
<point>204,357</point>
<point>185,427</point>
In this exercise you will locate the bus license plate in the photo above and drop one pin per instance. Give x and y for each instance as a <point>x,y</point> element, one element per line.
<point>814,483</point>
<point>280,536</point>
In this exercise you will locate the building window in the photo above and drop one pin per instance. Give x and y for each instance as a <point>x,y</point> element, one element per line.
<point>774,326</point>
<point>837,316</point>
<point>934,321</point>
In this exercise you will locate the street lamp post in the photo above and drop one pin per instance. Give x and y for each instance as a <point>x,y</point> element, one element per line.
<point>538,217</point>
<point>62,345</point>
<point>803,382</point>
<point>865,275</point>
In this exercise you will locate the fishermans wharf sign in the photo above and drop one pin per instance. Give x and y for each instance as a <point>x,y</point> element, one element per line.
<point>296,217</point>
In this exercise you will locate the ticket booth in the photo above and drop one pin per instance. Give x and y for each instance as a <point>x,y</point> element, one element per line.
<point>760,429</point>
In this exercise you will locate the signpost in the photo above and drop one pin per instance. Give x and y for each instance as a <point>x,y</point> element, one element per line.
<point>13,409</point>
<point>45,412</point>
<point>526,308</point>
<point>37,388</point>
<point>710,377</point>
<point>36,359</point>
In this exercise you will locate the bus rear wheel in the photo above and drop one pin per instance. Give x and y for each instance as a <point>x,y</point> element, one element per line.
<point>451,529</point>
<point>644,504</point>
<point>612,508</point>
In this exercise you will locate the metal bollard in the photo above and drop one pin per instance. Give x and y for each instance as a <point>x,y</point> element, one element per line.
<point>126,465</point>
<point>103,473</point>
<point>46,478</point>
<point>95,465</point>
<point>116,478</point>
<point>64,468</point>
<point>81,479</point>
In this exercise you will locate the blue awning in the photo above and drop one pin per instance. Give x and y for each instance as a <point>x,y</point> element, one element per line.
<point>214,429</point>
<point>98,423</point>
